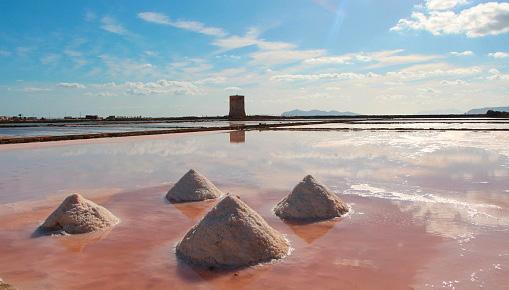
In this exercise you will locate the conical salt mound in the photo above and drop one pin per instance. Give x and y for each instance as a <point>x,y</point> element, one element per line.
<point>193,186</point>
<point>77,215</point>
<point>310,201</point>
<point>5,286</point>
<point>231,235</point>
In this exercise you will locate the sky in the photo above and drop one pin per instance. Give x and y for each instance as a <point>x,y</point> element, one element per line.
<point>182,58</point>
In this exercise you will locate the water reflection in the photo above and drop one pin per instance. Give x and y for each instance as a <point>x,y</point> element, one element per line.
<point>194,210</point>
<point>77,243</point>
<point>238,136</point>
<point>221,279</point>
<point>418,189</point>
<point>456,164</point>
<point>311,232</point>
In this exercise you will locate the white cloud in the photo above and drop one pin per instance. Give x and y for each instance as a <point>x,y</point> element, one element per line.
<point>161,87</point>
<point>499,54</point>
<point>127,68</point>
<point>100,94</point>
<point>229,56</point>
<point>211,80</point>
<point>71,85</point>
<point>233,89</point>
<point>251,38</point>
<point>235,41</point>
<point>268,57</point>
<point>429,91</point>
<point>150,53</point>
<point>463,53</point>
<point>378,58</point>
<point>438,70</point>
<point>413,73</point>
<point>342,59</point>
<point>199,27</point>
<point>444,4</point>
<point>107,85</point>
<point>269,52</point>
<point>490,18</point>
<point>111,25</point>
<point>155,17</point>
<point>453,83</point>
<point>322,76</point>
<point>194,26</point>
<point>496,75</point>
<point>35,90</point>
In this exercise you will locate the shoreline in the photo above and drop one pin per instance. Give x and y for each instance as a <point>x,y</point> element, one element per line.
<point>290,126</point>
<point>273,127</point>
<point>247,118</point>
<point>35,139</point>
<point>386,129</point>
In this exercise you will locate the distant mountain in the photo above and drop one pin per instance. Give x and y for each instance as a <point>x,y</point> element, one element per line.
<point>440,112</point>
<point>300,113</point>
<point>484,110</point>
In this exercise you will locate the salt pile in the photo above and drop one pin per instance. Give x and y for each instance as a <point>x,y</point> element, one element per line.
<point>5,286</point>
<point>231,235</point>
<point>77,215</point>
<point>193,186</point>
<point>310,201</point>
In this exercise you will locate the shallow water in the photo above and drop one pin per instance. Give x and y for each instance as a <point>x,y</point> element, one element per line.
<point>448,125</point>
<point>429,209</point>
<point>75,128</point>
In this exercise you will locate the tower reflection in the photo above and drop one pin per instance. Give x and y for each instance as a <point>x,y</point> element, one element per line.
<point>238,136</point>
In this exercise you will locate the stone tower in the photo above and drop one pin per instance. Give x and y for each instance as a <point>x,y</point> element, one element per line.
<point>237,107</point>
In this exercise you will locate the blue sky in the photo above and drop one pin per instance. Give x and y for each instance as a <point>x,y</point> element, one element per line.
<point>174,58</point>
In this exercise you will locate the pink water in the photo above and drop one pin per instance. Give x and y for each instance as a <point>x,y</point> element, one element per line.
<point>429,210</point>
